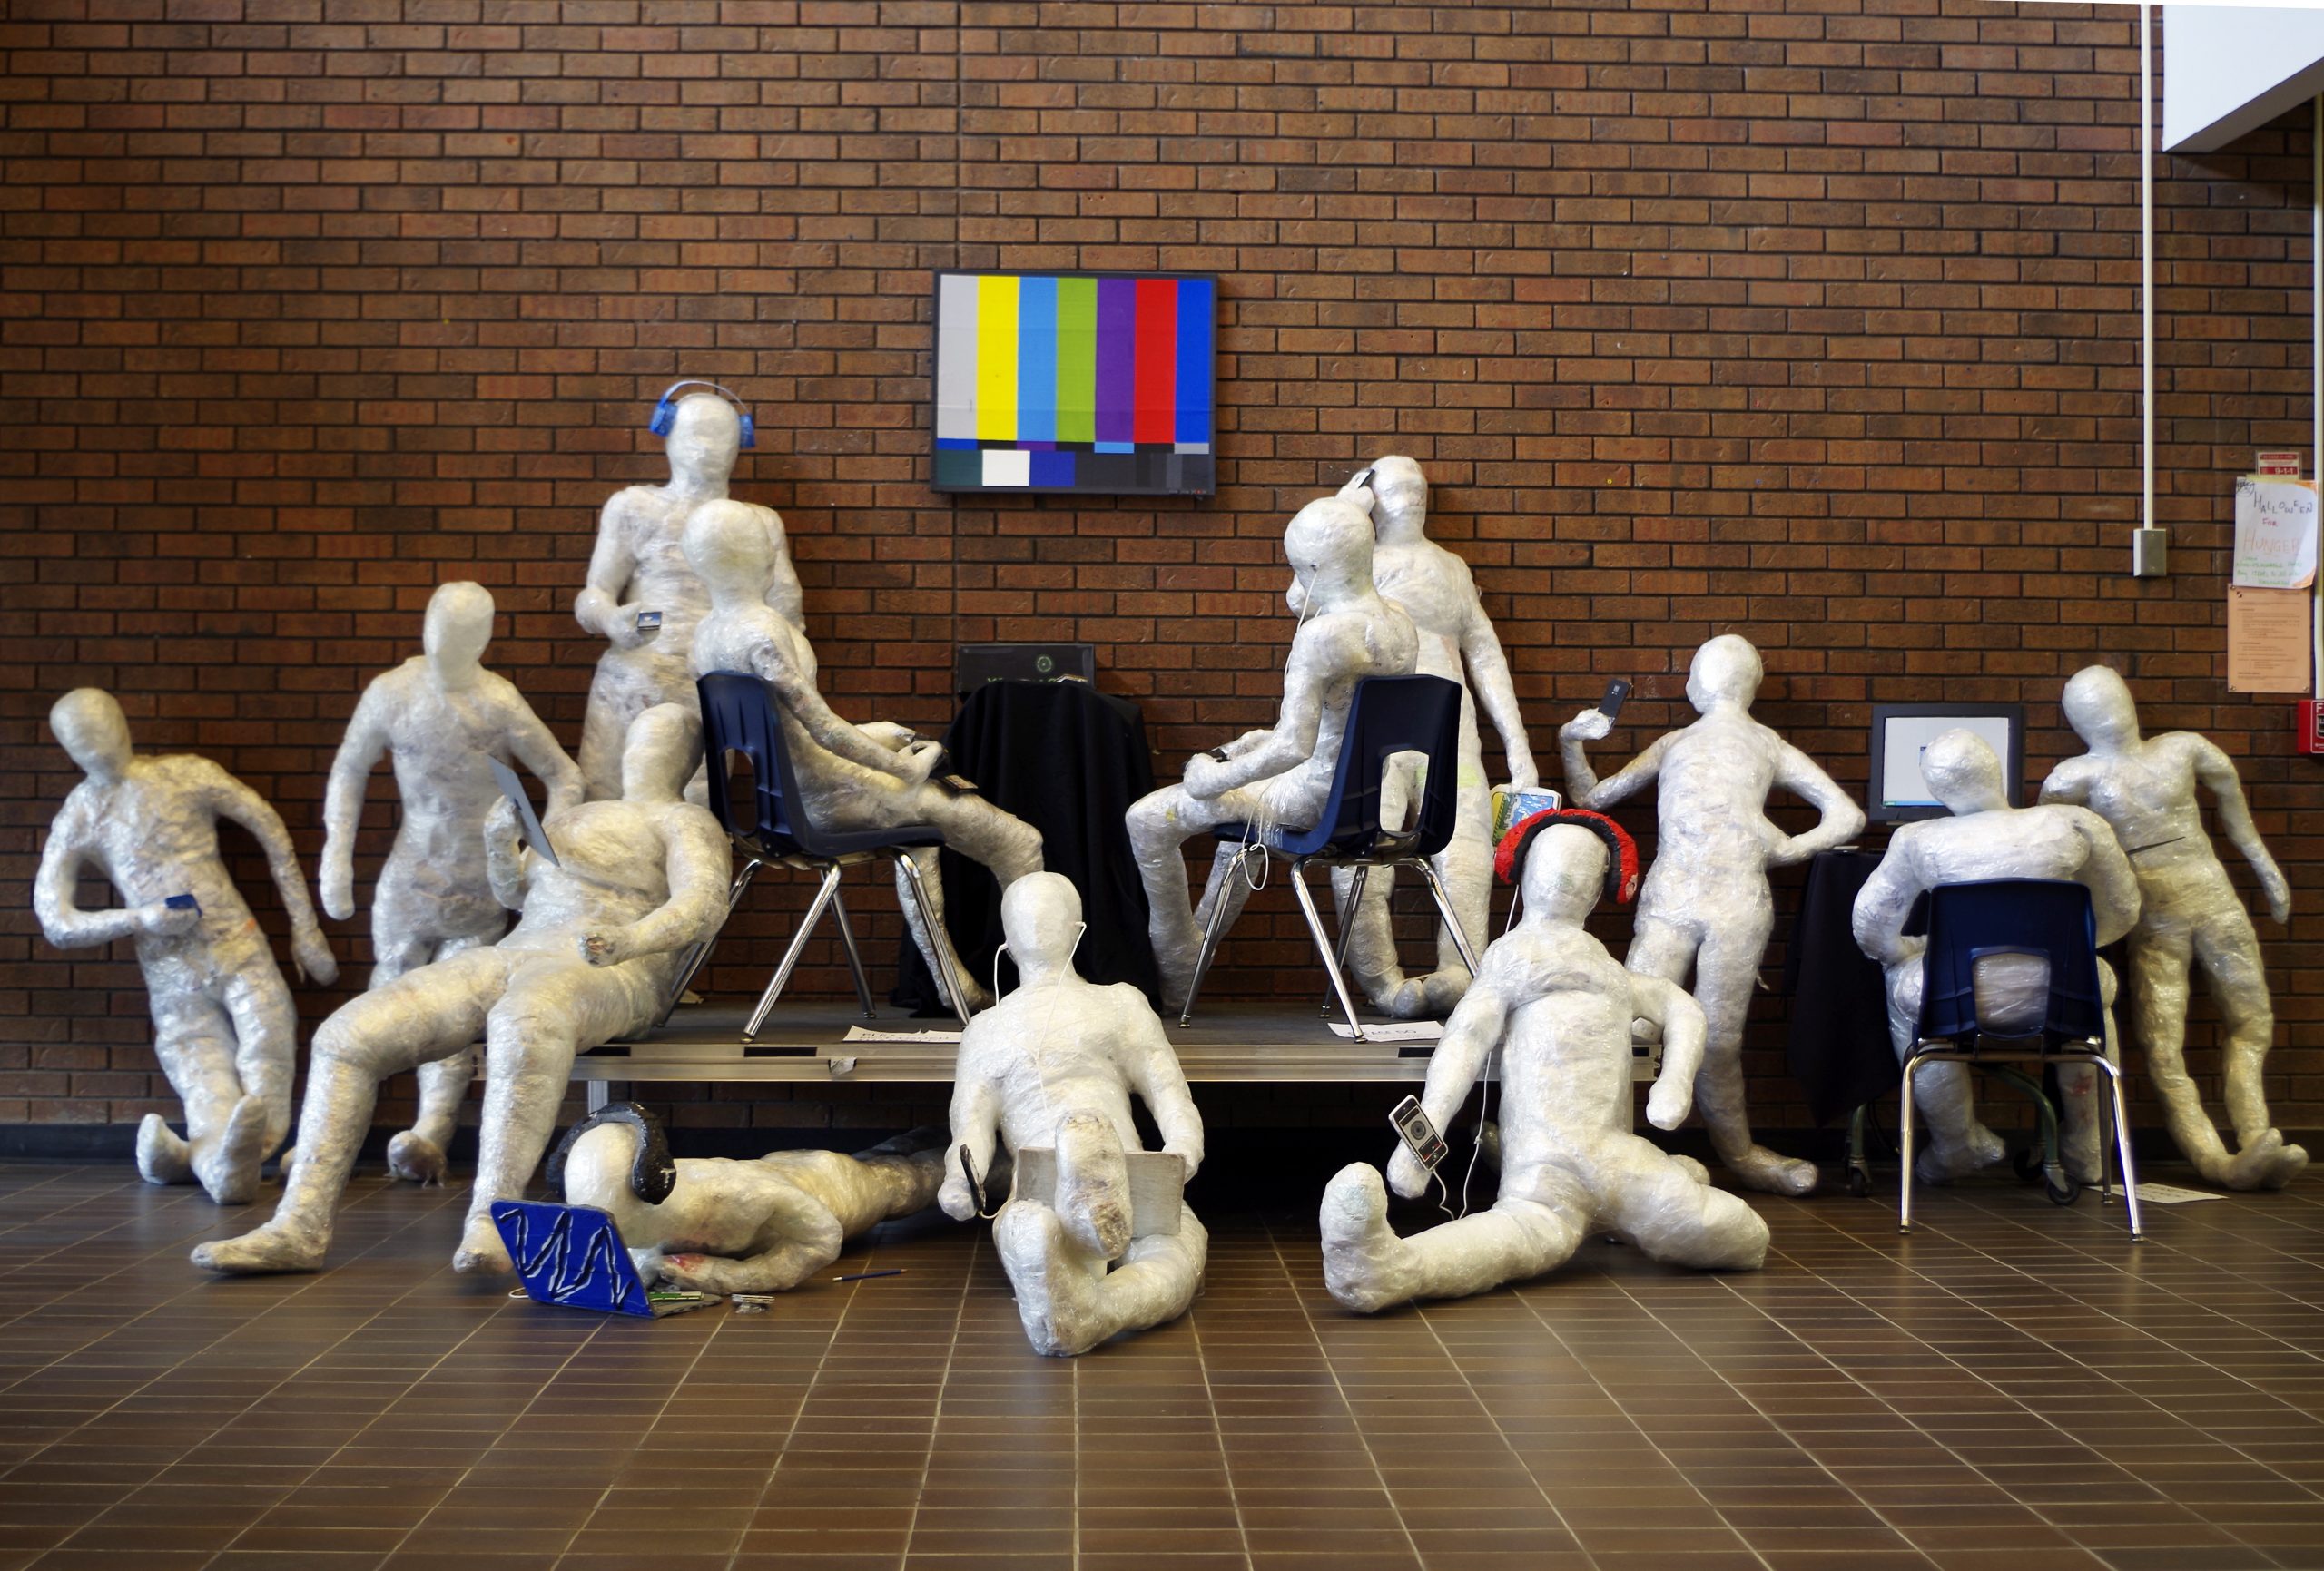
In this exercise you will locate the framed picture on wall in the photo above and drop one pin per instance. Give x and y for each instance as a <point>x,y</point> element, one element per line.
<point>1098,383</point>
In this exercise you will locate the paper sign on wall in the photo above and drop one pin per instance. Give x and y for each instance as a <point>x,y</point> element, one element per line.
<point>2278,463</point>
<point>2275,533</point>
<point>2268,640</point>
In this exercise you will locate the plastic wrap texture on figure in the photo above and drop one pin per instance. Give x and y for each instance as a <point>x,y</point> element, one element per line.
<point>592,957</point>
<point>439,719</point>
<point>1987,838</point>
<point>1557,1010</point>
<point>708,1224</point>
<point>2189,915</point>
<point>1457,642</point>
<point>1706,906</point>
<point>224,1030</point>
<point>870,776</point>
<point>1054,1065</point>
<point>1281,776</point>
<point>637,567</point>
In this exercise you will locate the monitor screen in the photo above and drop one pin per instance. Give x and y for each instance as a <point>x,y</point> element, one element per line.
<point>1901,734</point>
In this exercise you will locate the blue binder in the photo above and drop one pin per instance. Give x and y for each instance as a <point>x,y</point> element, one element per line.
<point>571,1256</point>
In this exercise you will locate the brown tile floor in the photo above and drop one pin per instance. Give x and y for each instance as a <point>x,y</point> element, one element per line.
<point>2015,1387</point>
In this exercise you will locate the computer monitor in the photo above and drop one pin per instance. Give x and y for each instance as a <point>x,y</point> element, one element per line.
<point>974,665</point>
<point>1901,732</point>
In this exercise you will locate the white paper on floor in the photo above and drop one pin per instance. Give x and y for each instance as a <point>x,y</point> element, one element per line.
<point>933,1038</point>
<point>2171,1194</point>
<point>1394,1030</point>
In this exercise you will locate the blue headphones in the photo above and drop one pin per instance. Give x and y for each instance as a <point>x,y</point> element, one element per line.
<point>665,413</point>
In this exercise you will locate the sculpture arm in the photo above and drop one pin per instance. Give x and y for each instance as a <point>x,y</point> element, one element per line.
<point>808,1237</point>
<point>67,926</point>
<point>505,859</point>
<point>1581,782</point>
<point>2217,773</point>
<point>1291,741</point>
<point>1685,1035</point>
<point>1496,694</point>
<point>806,705</point>
<point>1877,921</point>
<point>1843,820</point>
<point>599,606</point>
<point>537,749</point>
<point>784,597</point>
<point>1470,1037</point>
<point>1156,1076</point>
<point>695,861</point>
<point>2113,885</point>
<point>233,801</point>
<point>2069,783</point>
<point>976,1125</point>
<point>360,752</point>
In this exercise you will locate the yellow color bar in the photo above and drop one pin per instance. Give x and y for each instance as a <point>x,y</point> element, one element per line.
<point>997,360</point>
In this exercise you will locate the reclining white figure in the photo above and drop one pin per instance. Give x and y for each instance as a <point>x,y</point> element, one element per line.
<point>224,1030</point>
<point>1282,775</point>
<point>1436,589</point>
<point>1706,906</point>
<point>1054,1065</point>
<point>591,957</point>
<point>636,567</point>
<point>1559,1010</point>
<point>870,776</point>
<point>1987,838</point>
<point>709,1224</point>
<point>2189,915</point>
<point>438,718</point>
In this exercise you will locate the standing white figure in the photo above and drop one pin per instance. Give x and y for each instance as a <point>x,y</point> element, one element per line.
<point>1554,1005</point>
<point>224,1030</point>
<point>1987,838</point>
<point>1457,642</point>
<point>1707,905</point>
<point>439,718</point>
<point>2189,915</point>
<point>867,777</point>
<point>637,569</point>
<point>1279,776</point>
<point>591,957</point>
<point>708,1224</point>
<point>1054,1065</point>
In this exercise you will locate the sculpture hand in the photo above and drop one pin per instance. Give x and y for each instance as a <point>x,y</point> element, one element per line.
<point>956,1201</point>
<point>338,887</point>
<point>162,920</point>
<point>1523,780</point>
<point>1668,1104</point>
<point>889,734</point>
<point>693,1273</point>
<point>622,628</point>
<point>2278,893</point>
<point>920,759</point>
<point>1590,725</point>
<point>1203,774</point>
<point>1406,1176</point>
<point>310,953</point>
<point>604,948</point>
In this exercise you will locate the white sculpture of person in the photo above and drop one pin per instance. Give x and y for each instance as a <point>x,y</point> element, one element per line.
<point>2189,915</point>
<point>1054,1065</point>
<point>637,567</point>
<point>1457,642</point>
<point>438,718</point>
<point>1707,905</point>
<point>591,957</point>
<point>869,777</point>
<point>1558,1009</point>
<point>709,1224</point>
<point>1283,774</point>
<point>224,1030</point>
<point>1987,838</point>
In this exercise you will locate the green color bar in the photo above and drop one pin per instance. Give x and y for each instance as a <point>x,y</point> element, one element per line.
<point>1077,360</point>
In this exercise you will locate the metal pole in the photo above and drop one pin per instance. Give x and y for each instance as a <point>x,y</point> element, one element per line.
<point>2146,261</point>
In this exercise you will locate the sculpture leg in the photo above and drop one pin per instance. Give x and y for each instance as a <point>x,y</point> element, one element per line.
<point>418,1155</point>
<point>1160,822</point>
<point>1066,1307</point>
<point>195,1042</point>
<point>2228,949</point>
<point>925,923</point>
<point>530,1038</point>
<point>617,696</point>
<point>2080,1118</point>
<point>1659,1204</point>
<point>1372,958</point>
<point>1725,968</point>
<point>1368,1268</point>
<point>1000,841</point>
<point>2162,961</point>
<point>1957,1141</point>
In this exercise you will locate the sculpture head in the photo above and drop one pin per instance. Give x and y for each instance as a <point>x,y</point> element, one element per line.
<point>730,548</point>
<point>2099,708</point>
<point>659,754</point>
<point>1329,543</point>
<point>458,627</point>
<point>1560,878</point>
<point>1725,673</point>
<point>619,1146</point>
<point>1964,773</point>
<point>705,434</point>
<point>1041,916</point>
<point>90,726</point>
<point>1399,501</point>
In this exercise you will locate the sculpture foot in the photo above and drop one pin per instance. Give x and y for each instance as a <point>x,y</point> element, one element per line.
<point>1054,1298</point>
<point>1429,997</point>
<point>1692,1169</point>
<point>1761,1169</point>
<point>1943,1163</point>
<point>162,1157</point>
<point>481,1252</point>
<point>2265,1163</point>
<point>281,1245</point>
<point>229,1170</point>
<point>1358,1241</point>
<point>1092,1201</point>
<point>416,1159</point>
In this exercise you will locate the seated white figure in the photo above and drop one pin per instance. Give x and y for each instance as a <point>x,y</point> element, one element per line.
<point>715,1225</point>
<point>1985,839</point>
<point>591,957</point>
<point>1051,1069</point>
<point>1559,1008</point>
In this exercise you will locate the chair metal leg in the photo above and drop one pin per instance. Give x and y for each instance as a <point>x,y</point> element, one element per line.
<point>598,1093</point>
<point>700,952</point>
<point>1905,1146</point>
<point>1444,910</point>
<point>2113,1073</point>
<point>854,957</point>
<point>791,955</point>
<point>1348,926</point>
<point>1214,932</point>
<point>1324,944</point>
<point>938,938</point>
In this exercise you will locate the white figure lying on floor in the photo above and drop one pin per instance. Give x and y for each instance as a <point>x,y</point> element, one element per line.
<point>2189,915</point>
<point>1049,1072</point>
<point>224,1030</point>
<point>591,957</point>
<point>1558,1009</point>
<point>867,777</point>
<point>709,1224</point>
<point>1457,642</point>
<point>1706,906</point>
<point>438,718</point>
<point>1987,838</point>
<point>637,568</point>
<point>1281,776</point>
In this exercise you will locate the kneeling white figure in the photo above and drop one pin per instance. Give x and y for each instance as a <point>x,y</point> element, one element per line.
<point>1559,1010</point>
<point>1094,1238</point>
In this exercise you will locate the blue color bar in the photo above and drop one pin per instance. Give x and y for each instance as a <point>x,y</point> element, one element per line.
<point>1037,361</point>
<point>1196,306</point>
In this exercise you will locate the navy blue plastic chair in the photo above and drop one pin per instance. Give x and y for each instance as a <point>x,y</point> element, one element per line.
<point>739,716</point>
<point>2044,917</point>
<point>1386,716</point>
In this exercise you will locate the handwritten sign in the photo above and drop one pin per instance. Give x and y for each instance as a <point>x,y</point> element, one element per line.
<point>2275,533</point>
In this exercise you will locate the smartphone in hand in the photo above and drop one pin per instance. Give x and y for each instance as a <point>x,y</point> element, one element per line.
<point>1418,1132</point>
<point>1618,691</point>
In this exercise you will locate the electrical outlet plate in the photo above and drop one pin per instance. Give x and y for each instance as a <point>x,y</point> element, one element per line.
<point>2150,554</point>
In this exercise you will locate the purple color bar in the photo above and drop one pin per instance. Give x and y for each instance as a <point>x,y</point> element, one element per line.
<point>1117,357</point>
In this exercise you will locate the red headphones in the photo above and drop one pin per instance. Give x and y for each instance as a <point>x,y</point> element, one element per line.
<point>1621,852</point>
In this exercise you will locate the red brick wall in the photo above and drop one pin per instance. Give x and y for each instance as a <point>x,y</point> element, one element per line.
<point>1817,323</point>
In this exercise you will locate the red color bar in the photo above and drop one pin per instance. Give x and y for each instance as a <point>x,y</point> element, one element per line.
<point>1155,382</point>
